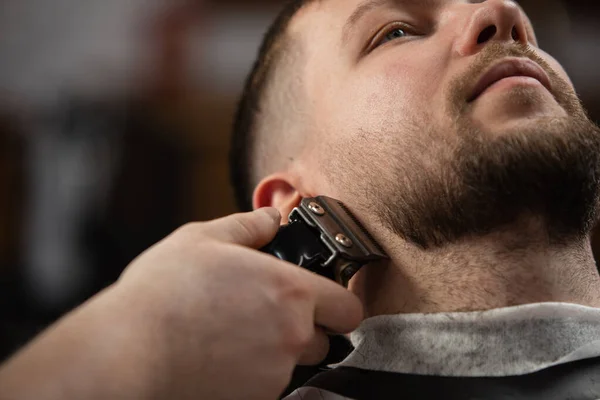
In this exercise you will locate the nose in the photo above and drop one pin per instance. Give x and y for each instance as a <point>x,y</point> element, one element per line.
<point>492,20</point>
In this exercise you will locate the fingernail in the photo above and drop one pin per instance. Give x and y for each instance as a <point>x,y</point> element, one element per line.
<point>272,212</point>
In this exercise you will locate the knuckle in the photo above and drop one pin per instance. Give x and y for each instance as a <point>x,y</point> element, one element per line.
<point>291,289</point>
<point>296,336</point>
<point>294,299</point>
<point>244,229</point>
<point>192,239</point>
<point>191,229</point>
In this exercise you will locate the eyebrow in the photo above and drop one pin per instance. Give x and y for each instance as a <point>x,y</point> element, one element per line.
<point>368,5</point>
<point>360,11</point>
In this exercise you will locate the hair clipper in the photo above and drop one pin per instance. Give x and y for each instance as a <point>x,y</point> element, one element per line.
<point>324,237</point>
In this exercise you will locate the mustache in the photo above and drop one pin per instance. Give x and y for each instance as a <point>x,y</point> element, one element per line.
<point>462,86</point>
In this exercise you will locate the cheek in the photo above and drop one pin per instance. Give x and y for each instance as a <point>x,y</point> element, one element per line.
<point>555,65</point>
<point>385,99</point>
<point>416,81</point>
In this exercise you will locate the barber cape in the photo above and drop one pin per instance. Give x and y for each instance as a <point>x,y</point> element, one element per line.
<point>536,351</point>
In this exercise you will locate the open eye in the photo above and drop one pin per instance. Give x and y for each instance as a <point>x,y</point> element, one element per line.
<point>393,32</point>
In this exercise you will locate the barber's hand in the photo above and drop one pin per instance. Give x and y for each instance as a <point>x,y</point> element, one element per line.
<point>232,322</point>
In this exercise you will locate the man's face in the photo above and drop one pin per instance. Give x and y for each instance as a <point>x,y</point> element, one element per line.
<point>418,104</point>
<point>368,76</point>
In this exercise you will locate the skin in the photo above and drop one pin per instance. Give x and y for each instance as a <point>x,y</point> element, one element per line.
<point>356,95</point>
<point>204,315</point>
<point>201,315</point>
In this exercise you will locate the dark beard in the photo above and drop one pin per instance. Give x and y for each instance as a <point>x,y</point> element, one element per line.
<point>551,171</point>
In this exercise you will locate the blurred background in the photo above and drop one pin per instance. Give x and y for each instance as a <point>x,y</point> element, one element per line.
<point>114,130</point>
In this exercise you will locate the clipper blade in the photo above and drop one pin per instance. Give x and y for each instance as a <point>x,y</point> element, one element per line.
<point>351,246</point>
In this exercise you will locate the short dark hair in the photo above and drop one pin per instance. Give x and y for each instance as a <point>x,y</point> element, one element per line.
<point>241,157</point>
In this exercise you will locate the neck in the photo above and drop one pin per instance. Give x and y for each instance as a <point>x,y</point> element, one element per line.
<point>515,266</point>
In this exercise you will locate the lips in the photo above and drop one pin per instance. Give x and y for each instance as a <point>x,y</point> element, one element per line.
<point>513,67</point>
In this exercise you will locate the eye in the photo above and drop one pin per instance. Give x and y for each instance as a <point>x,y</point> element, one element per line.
<point>391,33</point>
<point>395,33</point>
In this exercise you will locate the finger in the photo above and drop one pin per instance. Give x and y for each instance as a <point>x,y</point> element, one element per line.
<point>316,350</point>
<point>339,312</point>
<point>254,229</point>
<point>336,309</point>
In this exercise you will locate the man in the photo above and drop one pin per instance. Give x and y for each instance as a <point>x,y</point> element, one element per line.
<point>462,148</point>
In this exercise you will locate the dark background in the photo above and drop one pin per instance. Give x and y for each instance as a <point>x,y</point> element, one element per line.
<point>114,124</point>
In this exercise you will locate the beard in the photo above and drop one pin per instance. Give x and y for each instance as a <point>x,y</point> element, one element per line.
<point>483,182</point>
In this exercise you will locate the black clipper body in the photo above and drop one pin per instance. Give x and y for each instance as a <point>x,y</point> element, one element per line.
<point>324,237</point>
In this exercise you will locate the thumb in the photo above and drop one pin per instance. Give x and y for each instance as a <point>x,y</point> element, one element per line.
<point>254,229</point>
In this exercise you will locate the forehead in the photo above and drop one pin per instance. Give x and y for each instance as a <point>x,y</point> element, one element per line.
<point>322,13</point>
<point>318,26</point>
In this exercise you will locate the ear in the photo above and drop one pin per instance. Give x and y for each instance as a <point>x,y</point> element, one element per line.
<point>277,191</point>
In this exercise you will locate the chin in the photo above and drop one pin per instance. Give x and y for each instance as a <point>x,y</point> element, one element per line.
<point>517,110</point>
<point>546,124</point>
